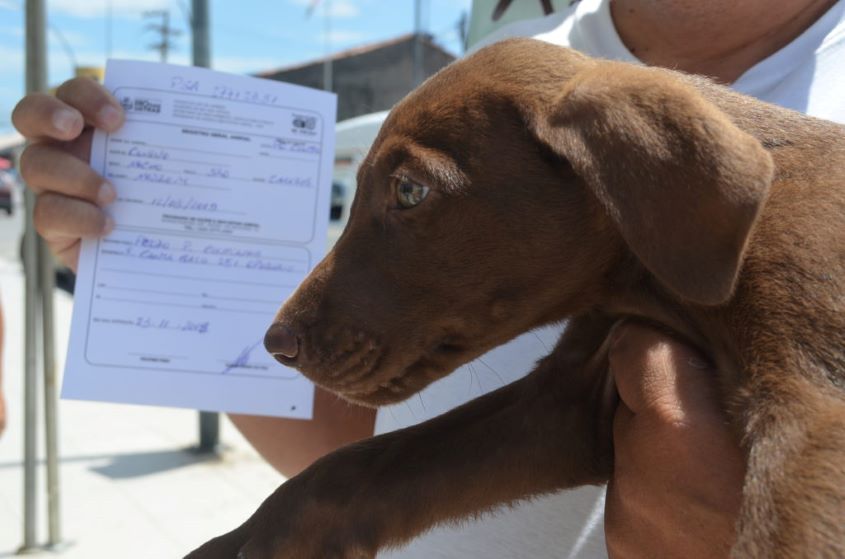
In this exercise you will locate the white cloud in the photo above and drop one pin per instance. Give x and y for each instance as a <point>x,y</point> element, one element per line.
<point>336,8</point>
<point>10,31</point>
<point>96,58</point>
<point>233,64</point>
<point>245,64</point>
<point>12,57</point>
<point>343,9</point>
<point>74,38</point>
<point>340,36</point>
<point>99,8</point>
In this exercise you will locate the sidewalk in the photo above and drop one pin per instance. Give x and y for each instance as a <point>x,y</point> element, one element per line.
<point>129,487</point>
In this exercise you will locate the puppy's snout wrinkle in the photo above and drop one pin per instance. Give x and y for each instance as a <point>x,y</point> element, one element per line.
<point>281,341</point>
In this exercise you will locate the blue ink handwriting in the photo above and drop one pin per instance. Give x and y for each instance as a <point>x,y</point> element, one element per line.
<point>147,322</point>
<point>242,360</point>
<point>150,153</point>
<point>190,203</point>
<point>302,182</point>
<point>292,146</point>
<point>184,84</point>
<point>160,178</point>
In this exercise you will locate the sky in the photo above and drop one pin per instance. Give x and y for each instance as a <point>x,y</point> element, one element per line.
<point>246,35</point>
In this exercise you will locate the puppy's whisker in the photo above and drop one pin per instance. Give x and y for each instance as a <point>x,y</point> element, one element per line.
<point>473,374</point>
<point>411,409</point>
<point>494,371</point>
<point>477,379</point>
<point>539,339</point>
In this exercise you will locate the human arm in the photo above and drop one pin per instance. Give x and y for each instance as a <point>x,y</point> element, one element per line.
<point>291,445</point>
<point>678,468</point>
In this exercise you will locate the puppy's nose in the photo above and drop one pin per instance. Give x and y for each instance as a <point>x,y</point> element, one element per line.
<point>281,340</point>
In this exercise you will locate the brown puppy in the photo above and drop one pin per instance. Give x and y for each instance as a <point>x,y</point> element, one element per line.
<point>527,184</point>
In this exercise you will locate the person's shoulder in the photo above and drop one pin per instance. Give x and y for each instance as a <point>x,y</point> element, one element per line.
<point>540,28</point>
<point>834,41</point>
<point>817,86</point>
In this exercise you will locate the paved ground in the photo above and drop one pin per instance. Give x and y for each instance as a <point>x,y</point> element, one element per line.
<point>130,489</point>
<point>11,229</point>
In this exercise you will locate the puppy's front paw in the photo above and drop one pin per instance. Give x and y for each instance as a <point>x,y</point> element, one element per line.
<point>294,524</point>
<point>227,546</point>
<point>313,550</point>
<point>314,546</point>
<point>314,543</point>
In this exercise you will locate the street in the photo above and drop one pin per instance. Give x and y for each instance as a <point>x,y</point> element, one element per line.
<point>11,229</point>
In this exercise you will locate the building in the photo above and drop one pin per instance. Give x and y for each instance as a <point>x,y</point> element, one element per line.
<point>369,78</point>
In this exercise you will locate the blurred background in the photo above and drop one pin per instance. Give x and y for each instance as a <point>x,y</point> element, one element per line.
<point>152,482</point>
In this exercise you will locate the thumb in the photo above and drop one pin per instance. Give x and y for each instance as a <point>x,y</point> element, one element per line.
<point>657,374</point>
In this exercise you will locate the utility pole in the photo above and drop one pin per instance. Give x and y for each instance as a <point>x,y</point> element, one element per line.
<point>167,34</point>
<point>418,45</point>
<point>327,31</point>
<point>38,323</point>
<point>108,28</point>
<point>463,28</point>
<point>200,33</point>
<point>209,422</point>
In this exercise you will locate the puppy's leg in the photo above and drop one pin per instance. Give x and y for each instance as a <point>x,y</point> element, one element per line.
<point>794,495</point>
<point>547,431</point>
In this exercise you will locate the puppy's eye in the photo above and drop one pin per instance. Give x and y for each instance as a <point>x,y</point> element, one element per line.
<point>409,193</point>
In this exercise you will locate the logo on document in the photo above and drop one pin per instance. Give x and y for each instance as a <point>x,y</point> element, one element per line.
<point>140,105</point>
<point>304,124</point>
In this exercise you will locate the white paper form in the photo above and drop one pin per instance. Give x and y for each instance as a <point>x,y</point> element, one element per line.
<point>223,187</point>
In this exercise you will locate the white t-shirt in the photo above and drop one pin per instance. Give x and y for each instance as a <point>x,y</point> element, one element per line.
<point>808,75</point>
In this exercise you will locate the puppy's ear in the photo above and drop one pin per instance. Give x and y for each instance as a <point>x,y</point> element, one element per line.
<point>682,183</point>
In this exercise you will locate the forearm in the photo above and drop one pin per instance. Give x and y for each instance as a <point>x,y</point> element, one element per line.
<point>291,445</point>
<point>527,438</point>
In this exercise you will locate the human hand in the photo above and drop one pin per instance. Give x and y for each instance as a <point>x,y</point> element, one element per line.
<point>70,195</point>
<point>677,482</point>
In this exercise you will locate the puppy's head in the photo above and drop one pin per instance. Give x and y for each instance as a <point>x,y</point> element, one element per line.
<point>496,198</point>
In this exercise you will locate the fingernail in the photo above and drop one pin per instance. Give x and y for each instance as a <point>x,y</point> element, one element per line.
<point>64,121</point>
<point>698,363</point>
<point>109,117</point>
<point>106,194</point>
<point>109,225</point>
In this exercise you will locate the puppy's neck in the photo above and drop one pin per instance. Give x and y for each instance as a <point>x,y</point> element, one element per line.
<point>716,38</point>
<point>629,291</point>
